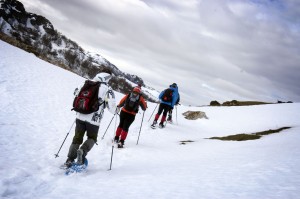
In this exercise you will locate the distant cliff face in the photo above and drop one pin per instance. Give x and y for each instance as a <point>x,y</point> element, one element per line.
<point>36,34</point>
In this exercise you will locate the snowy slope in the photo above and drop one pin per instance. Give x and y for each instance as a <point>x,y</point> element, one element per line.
<point>35,117</point>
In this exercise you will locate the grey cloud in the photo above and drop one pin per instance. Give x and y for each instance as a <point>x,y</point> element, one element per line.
<point>193,43</point>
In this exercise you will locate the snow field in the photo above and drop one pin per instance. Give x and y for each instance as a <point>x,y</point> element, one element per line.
<point>35,117</point>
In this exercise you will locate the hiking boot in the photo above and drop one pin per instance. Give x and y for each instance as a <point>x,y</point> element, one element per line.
<point>161,125</point>
<point>116,139</point>
<point>169,118</point>
<point>121,144</point>
<point>80,157</point>
<point>153,125</point>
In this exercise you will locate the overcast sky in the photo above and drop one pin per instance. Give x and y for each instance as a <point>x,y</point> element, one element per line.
<point>213,49</point>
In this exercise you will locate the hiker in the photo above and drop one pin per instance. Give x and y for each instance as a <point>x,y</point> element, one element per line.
<point>169,119</point>
<point>89,113</point>
<point>130,103</point>
<point>167,99</point>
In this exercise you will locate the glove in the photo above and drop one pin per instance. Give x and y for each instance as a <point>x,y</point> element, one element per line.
<point>117,110</point>
<point>100,101</point>
<point>76,91</point>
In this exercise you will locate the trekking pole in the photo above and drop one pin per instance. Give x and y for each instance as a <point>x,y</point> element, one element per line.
<point>140,129</point>
<point>176,115</point>
<point>112,147</point>
<point>111,157</point>
<point>108,125</point>
<point>56,155</point>
<point>153,112</point>
<point>115,124</point>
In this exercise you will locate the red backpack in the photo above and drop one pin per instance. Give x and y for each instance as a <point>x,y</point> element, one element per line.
<point>86,101</point>
<point>167,96</point>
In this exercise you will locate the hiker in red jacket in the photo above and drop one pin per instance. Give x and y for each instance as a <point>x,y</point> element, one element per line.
<point>130,103</point>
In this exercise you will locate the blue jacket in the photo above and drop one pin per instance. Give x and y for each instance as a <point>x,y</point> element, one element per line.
<point>174,97</point>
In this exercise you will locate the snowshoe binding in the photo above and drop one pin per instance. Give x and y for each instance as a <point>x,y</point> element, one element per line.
<point>67,164</point>
<point>153,125</point>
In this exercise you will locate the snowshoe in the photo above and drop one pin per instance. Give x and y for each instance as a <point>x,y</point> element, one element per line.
<point>77,168</point>
<point>120,146</point>
<point>170,121</point>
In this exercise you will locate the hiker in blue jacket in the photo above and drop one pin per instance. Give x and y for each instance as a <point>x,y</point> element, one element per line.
<point>168,99</point>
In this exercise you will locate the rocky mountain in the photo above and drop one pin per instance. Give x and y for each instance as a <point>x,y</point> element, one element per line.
<point>35,34</point>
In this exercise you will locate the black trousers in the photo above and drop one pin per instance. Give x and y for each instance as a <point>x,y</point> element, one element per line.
<point>126,120</point>
<point>163,108</point>
<point>82,127</point>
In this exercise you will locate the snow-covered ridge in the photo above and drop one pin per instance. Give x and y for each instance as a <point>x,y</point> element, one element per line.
<point>36,34</point>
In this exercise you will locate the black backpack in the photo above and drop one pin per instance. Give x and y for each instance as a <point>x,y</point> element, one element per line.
<point>167,96</point>
<point>86,101</point>
<point>132,103</point>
